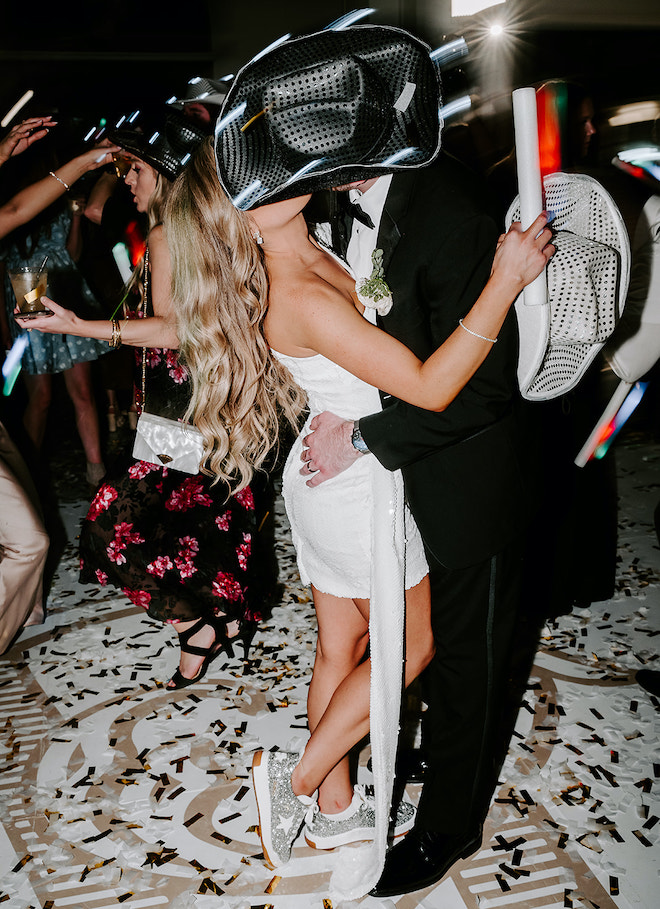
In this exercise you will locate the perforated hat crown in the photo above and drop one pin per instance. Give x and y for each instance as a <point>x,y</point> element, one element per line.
<point>163,137</point>
<point>203,90</point>
<point>327,109</point>
<point>587,281</point>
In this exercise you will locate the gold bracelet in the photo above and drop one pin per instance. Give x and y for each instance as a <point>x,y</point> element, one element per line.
<point>470,332</point>
<point>115,340</point>
<point>59,180</point>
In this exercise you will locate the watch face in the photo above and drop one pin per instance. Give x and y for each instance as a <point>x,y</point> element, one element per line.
<point>358,442</point>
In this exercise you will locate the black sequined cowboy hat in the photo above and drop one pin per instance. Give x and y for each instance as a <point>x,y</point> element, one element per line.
<point>327,109</point>
<point>203,91</point>
<point>163,137</point>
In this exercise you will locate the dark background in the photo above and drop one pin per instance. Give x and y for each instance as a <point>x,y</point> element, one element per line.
<point>94,60</point>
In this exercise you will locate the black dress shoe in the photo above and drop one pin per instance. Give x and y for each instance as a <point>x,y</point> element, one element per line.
<point>421,859</point>
<point>649,679</point>
<point>411,765</point>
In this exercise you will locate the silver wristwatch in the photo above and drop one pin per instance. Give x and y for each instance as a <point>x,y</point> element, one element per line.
<point>358,442</point>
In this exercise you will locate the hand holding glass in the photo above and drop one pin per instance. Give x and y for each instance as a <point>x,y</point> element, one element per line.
<point>29,285</point>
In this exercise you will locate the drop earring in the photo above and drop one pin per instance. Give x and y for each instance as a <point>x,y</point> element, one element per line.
<point>259,240</point>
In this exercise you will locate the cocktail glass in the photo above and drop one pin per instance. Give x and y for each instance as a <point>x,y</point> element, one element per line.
<point>29,284</point>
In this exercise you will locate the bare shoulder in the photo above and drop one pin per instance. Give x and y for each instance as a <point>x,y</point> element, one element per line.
<point>157,238</point>
<point>298,308</point>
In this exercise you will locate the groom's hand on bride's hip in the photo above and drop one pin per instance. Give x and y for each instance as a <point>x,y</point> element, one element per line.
<point>327,450</point>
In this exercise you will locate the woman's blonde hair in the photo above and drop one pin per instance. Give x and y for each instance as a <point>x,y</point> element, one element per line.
<point>220,294</point>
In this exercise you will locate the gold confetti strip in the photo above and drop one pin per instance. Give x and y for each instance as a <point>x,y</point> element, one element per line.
<point>223,839</point>
<point>273,884</point>
<point>23,862</point>
<point>640,836</point>
<point>327,904</point>
<point>193,820</point>
<point>210,886</point>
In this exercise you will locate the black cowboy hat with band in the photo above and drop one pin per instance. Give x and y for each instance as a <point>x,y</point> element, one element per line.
<point>327,109</point>
<point>163,137</point>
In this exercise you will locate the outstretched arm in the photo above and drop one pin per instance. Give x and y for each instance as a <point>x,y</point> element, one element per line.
<point>35,198</point>
<point>329,449</point>
<point>340,334</point>
<point>156,331</point>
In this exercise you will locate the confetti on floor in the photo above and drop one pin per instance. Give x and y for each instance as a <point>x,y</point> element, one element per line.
<point>113,789</point>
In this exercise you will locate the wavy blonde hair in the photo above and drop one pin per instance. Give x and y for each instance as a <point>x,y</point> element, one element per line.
<point>241,392</point>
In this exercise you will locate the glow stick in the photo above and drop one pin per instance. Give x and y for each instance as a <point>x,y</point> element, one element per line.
<point>349,19</point>
<point>12,365</point>
<point>122,261</point>
<point>9,116</point>
<point>622,403</point>
<point>452,50</point>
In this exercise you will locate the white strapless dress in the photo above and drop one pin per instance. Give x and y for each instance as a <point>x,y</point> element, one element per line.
<point>354,537</point>
<point>332,524</point>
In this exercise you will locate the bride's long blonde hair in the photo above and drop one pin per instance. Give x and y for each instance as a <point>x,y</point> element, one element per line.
<point>220,294</point>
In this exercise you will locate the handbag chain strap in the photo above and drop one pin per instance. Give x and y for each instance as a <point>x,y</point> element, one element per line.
<point>144,316</point>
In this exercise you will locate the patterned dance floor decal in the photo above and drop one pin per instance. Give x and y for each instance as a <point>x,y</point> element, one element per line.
<point>114,790</point>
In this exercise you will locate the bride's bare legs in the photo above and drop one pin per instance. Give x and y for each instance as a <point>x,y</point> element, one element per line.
<point>346,718</point>
<point>343,634</point>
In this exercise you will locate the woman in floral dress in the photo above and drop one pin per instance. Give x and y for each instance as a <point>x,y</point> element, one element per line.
<point>180,546</point>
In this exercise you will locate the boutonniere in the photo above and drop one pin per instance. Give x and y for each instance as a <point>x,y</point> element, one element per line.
<point>373,291</point>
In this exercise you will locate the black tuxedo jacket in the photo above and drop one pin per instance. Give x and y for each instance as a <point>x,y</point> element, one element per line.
<point>461,467</point>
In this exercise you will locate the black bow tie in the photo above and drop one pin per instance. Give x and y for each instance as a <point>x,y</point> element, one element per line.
<point>355,211</point>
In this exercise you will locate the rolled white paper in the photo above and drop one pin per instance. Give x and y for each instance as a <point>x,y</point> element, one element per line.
<point>530,186</point>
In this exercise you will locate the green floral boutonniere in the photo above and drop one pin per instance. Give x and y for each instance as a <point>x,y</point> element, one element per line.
<point>373,291</point>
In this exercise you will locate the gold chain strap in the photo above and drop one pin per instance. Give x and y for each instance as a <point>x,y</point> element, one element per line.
<point>144,316</point>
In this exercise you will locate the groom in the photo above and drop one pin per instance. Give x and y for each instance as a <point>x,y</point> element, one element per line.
<point>347,106</point>
<point>464,486</point>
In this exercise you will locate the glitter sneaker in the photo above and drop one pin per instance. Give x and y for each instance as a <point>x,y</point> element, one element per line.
<point>354,824</point>
<point>281,811</point>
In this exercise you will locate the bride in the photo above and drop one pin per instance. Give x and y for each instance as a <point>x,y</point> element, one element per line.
<point>268,319</point>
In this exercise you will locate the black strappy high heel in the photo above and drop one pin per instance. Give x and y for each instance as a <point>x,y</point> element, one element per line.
<point>220,643</point>
<point>246,633</point>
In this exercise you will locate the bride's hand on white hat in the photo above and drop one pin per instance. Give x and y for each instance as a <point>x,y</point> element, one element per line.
<point>521,255</point>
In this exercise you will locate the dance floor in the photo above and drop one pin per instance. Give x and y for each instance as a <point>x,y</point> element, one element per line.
<point>114,790</point>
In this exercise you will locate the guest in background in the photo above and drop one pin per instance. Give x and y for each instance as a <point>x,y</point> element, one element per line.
<point>39,222</point>
<point>180,546</point>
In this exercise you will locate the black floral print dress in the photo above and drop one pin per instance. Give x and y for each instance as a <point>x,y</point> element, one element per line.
<point>175,544</point>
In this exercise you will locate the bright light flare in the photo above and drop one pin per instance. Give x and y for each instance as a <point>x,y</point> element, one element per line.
<point>496,30</point>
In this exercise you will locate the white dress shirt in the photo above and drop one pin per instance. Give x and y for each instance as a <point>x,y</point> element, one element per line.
<point>363,239</point>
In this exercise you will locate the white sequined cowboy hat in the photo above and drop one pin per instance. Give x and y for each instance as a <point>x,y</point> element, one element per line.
<point>328,109</point>
<point>587,283</point>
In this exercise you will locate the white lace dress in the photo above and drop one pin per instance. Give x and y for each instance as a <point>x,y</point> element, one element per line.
<point>354,537</point>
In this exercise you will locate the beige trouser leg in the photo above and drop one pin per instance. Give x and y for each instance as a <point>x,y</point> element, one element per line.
<point>23,543</point>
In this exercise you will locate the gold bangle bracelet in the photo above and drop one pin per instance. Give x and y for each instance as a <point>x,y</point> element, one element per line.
<point>115,340</point>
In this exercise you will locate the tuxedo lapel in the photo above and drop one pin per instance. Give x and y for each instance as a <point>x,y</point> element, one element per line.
<point>396,205</point>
